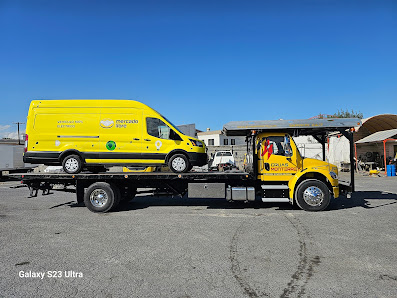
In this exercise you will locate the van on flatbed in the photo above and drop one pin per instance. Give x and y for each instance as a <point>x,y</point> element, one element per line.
<point>92,134</point>
<point>278,173</point>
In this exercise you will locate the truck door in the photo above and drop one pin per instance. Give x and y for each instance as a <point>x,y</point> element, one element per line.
<point>120,135</point>
<point>277,159</point>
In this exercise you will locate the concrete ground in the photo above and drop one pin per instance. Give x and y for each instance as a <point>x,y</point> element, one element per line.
<point>173,247</point>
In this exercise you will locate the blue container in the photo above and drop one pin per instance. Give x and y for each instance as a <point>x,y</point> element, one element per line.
<point>391,170</point>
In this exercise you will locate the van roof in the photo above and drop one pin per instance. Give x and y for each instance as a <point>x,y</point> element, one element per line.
<point>89,103</point>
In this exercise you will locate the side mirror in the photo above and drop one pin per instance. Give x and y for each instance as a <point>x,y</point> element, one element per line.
<point>287,147</point>
<point>174,136</point>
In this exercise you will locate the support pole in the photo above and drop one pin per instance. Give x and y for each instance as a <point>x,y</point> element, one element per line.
<point>19,139</point>
<point>254,155</point>
<point>384,152</point>
<point>384,155</point>
<point>349,136</point>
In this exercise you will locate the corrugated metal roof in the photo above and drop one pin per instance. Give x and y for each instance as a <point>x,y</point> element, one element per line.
<point>379,136</point>
<point>380,122</point>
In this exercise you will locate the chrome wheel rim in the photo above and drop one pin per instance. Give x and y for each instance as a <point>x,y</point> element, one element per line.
<point>179,164</point>
<point>71,165</point>
<point>313,196</point>
<point>98,198</point>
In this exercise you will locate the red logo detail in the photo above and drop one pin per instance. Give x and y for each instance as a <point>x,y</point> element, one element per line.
<point>267,148</point>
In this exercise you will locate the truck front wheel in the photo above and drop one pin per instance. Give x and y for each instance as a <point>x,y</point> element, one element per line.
<point>101,197</point>
<point>312,195</point>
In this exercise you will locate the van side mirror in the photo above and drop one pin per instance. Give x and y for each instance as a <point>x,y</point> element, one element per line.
<point>174,136</point>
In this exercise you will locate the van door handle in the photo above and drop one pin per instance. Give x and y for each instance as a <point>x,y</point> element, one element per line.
<point>148,140</point>
<point>135,139</point>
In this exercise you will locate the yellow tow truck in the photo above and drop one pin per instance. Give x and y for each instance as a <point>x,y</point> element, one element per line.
<point>275,171</point>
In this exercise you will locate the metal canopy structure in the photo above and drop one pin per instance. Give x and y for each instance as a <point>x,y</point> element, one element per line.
<point>379,136</point>
<point>301,126</point>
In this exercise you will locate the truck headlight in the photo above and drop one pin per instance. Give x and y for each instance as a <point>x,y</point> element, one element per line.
<point>333,175</point>
<point>196,143</point>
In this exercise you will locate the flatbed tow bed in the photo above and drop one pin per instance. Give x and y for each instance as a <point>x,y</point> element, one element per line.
<point>199,184</point>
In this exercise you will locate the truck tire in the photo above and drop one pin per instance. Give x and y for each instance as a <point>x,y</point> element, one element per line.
<point>72,164</point>
<point>101,197</point>
<point>312,195</point>
<point>179,163</point>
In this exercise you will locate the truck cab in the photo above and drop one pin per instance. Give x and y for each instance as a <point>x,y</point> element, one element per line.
<point>280,162</point>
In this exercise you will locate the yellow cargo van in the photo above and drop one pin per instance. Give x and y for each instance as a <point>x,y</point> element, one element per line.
<point>92,134</point>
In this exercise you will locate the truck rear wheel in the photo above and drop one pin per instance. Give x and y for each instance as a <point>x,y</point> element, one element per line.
<point>179,163</point>
<point>312,195</point>
<point>72,164</point>
<point>101,197</point>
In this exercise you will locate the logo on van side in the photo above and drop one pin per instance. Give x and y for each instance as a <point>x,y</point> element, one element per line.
<point>107,123</point>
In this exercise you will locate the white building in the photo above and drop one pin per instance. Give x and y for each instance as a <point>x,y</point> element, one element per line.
<point>216,138</point>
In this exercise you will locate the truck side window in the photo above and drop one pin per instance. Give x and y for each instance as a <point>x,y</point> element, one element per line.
<point>279,145</point>
<point>157,128</point>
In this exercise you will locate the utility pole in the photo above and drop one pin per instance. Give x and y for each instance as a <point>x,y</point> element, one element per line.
<point>19,139</point>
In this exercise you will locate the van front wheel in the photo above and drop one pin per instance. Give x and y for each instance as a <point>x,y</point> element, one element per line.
<point>179,163</point>
<point>72,164</point>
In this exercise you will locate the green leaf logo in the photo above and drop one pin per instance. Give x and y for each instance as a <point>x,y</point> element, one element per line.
<point>111,145</point>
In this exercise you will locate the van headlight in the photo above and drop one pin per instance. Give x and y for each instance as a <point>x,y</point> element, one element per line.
<point>196,143</point>
<point>333,175</point>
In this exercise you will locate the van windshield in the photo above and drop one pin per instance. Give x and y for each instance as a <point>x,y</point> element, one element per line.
<point>172,124</point>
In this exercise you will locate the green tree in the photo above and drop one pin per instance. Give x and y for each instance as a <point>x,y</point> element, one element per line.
<point>346,114</point>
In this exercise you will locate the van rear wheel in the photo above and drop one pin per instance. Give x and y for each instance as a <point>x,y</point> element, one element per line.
<point>72,164</point>
<point>179,163</point>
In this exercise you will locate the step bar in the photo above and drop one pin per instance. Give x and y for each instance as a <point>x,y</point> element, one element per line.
<point>275,187</point>
<point>275,200</point>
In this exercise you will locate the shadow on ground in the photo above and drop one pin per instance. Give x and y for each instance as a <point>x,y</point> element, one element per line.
<point>364,199</point>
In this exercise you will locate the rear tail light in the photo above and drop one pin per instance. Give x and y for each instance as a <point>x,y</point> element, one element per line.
<point>26,143</point>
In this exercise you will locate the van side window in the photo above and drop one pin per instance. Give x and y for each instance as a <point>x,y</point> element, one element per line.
<point>157,128</point>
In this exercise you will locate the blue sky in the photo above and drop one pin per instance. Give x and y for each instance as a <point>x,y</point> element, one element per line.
<point>203,62</point>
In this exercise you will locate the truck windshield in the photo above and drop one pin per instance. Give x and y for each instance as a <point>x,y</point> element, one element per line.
<point>297,148</point>
<point>172,124</point>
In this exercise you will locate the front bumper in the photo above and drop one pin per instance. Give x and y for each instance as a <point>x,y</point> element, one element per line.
<point>345,187</point>
<point>198,159</point>
<point>336,191</point>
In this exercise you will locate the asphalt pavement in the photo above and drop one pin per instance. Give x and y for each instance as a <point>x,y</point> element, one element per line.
<point>179,247</point>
